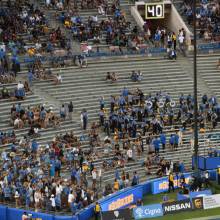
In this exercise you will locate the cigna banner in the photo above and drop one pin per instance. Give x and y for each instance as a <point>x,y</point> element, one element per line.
<point>172,207</point>
<point>148,211</point>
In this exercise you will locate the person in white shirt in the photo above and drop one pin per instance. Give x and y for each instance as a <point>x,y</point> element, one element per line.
<point>38,46</point>
<point>59,189</point>
<point>130,154</point>
<point>48,2</point>
<point>95,19</point>
<point>181,40</point>
<point>71,198</point>
<point>17,196</point>
<point>94,177</point>
<point>37,199</point>
<point>20,85</point>
<point>3,47</point>
<point>58,79</point>
<point>101,10</point>
<point>18,123</point>
<point>53,203</point>
<point>60,5</point>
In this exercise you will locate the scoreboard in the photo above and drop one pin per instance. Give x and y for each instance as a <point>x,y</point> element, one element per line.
<point>154,10</point>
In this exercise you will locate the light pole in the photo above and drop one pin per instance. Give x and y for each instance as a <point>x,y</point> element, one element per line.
<point>195,90</point>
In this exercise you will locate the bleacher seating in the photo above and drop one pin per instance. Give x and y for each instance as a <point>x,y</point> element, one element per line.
<point>85,86</point>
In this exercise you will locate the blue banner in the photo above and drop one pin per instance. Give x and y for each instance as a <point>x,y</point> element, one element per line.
<point>148,211</point>
<point>210,46</point>
<point>202,193</point>
<point>122,199</point>
<point>162,184</point>
<point>192,195</point>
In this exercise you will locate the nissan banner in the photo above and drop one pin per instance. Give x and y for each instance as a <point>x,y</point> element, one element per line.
<point>172,207</point>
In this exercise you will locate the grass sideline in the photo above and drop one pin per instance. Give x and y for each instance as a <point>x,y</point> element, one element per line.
<point>154,199</point>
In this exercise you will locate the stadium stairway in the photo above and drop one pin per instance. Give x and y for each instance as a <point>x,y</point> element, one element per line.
<point>207,67</point>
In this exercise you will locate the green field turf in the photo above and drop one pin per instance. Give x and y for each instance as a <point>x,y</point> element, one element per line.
<point>154,199</point>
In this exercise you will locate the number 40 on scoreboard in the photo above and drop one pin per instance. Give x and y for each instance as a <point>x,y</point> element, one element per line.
<point>154,10</point>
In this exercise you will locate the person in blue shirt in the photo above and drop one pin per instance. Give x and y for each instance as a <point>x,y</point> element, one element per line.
<point>7,193</point>
<point>101,118</point>
<point>34,146</point>
<point>135,179</point>
<point>156,143</point>
<point>163,140</point>
<point>176,141</point>
<point>30,77</point>
<point>58,202</point>
<point>121,101</point>
<point>102,103</point>
<point>125,92</point>
<point>2,54</point>
<point>57,167</point>
<point>52,170</point>
<point>117,175</point>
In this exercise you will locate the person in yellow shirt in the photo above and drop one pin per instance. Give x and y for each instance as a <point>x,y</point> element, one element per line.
<point>116,185</point>
<point>174,40</point>
<point>171,182</point>
<point>97,210</point>
<point>67,24</point>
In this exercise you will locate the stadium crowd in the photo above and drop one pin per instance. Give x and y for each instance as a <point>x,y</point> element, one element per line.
<point>208,18</point>
<point>57,176</point>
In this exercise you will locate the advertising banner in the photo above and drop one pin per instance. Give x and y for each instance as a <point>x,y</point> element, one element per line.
<point>122,199</point>
<point>122,214</point>
<point>197,203</point>
<point>162,185</point>
<point>202,193</point>
<point>148,211</point>
<point>212,201</point>
<point>178,206</point>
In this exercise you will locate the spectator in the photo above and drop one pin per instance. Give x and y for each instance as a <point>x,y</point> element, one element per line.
<point>70,110</point>
<point>171,182</point>
<point>135,179</point>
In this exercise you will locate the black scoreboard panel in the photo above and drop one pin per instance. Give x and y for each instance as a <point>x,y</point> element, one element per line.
<point>154,10</point>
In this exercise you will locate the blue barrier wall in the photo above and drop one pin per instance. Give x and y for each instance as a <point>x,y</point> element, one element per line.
<point>65,218</point>
<point>202,163</point>
<point>207,163</point>
<point>147,187</point>
<point>3,212</point>
<point>212,163</point>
